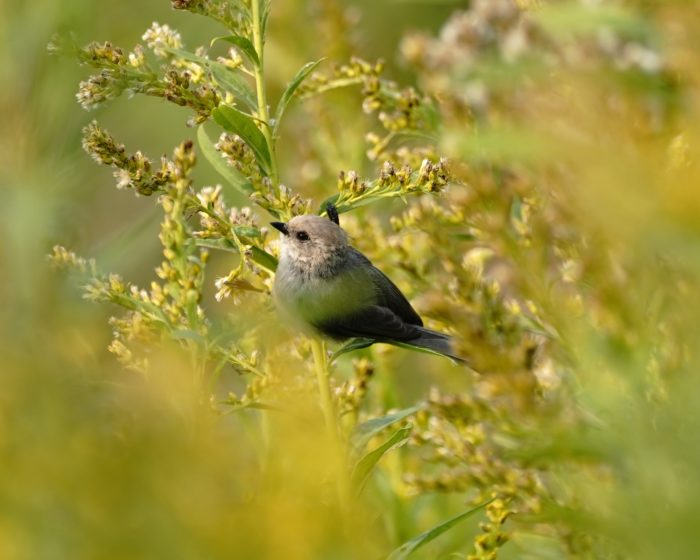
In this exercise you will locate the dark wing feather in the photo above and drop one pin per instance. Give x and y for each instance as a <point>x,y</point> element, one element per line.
<point>389,295</point>
<point>373,321</point>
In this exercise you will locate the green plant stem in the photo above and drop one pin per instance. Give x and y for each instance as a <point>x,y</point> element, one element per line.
<point>264,115</point>
<point>318,349</point>
<point>323,377</point>
<point>261,91</point>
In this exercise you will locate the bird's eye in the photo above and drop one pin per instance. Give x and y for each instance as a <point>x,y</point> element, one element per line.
<point>302,236</point>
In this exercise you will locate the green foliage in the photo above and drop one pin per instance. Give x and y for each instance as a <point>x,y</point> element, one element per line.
<point>527,175</point>
<point>241,124</point>
<point>363,468</point>
<point>406,549</point>
<point>291,90</point>
<point>233,176</point>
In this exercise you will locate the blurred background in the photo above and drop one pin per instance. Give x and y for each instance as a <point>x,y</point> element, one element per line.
<point>99,462</point>
<point>96,462</point>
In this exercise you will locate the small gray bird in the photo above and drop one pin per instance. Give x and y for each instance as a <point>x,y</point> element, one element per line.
<point>327,287</point>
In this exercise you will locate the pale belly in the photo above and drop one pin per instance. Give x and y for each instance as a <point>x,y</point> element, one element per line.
<point>316,301</point>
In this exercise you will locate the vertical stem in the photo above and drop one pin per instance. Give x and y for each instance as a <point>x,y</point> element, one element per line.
<point>331,420</point>
<point>261,91</point>
<point>323,376</point>
<point>264,115</point>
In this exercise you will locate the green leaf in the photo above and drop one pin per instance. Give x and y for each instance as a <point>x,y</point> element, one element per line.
<point>217,244</point>
<point>409,547</point>
<point>227,78</point>
<point>261,257</point>
<point>243,44</point>
<point>264,258</point>
<point>239,123</point>
<point>367,430</point>
<point>345,206</point>
<point>234,177</point>
<point>247,231</point>
<point>363,468</point>
<point>265,17</point>
<point>331,199</point>
<point>288,94</point>
<point>351,345</point>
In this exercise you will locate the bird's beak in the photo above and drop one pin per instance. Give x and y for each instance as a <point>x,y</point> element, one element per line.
<point>281,226</point>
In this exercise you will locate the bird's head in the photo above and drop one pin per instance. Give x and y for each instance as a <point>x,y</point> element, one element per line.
<point>311,241</point>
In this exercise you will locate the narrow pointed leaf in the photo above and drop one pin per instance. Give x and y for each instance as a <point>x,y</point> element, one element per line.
<point>247,231</point>
<point>409,547</point>
<point>265,17</point>
<point>217,244</point>
<point>351,345</point>
<point>264,258</point>
<point>234,177</point>
<point>261,257</point>
<point>245,46</point>
<point>367,430</point>
<point>364,466</point>
<point>239,123</point>
<point>331,199</point>
<point>288,94</point>
<point>227,78</point>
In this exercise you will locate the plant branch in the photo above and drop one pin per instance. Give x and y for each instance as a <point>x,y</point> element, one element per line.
<point>318,349</point>
<point>261,91</point>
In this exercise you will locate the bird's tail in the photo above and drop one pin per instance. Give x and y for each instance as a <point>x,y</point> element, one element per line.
<point>437,342</point>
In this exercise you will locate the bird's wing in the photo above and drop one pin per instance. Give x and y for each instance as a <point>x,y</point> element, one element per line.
<point>389,295</point>
<point>373,321</point>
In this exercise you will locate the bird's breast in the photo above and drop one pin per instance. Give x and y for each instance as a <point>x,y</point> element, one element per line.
<point>315,300</point>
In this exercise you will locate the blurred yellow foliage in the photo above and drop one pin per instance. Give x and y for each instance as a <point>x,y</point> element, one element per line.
<point>559,242</point>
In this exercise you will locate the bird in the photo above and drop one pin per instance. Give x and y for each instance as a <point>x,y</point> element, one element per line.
<point>330,289</point>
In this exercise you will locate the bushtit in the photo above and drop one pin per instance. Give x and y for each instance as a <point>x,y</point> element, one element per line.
<point>327,287</point>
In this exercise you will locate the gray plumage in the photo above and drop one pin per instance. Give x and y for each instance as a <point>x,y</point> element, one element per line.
<point>327,287</point>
